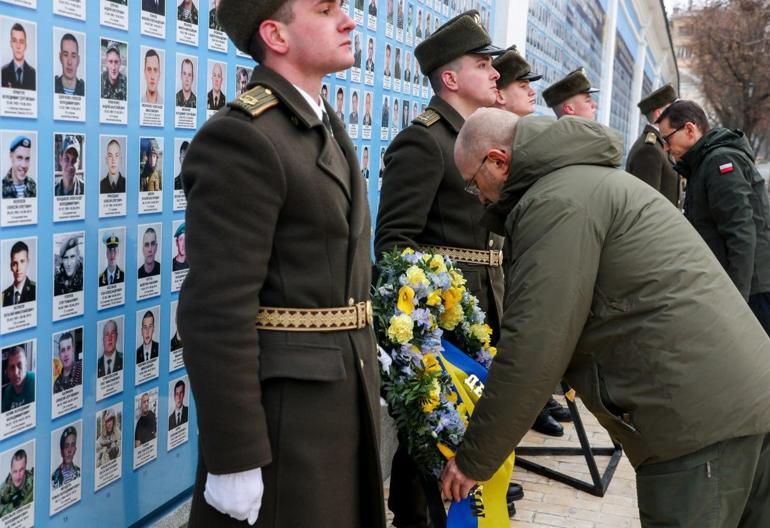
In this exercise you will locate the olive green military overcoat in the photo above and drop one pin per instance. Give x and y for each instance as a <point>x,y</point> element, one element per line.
<point>277,215</point>
<point>649,162</point>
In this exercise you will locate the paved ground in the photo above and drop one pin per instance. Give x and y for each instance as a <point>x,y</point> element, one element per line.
<point>549,504</point>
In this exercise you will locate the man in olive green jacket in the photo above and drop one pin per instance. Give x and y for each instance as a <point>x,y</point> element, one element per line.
<point>609,287</point>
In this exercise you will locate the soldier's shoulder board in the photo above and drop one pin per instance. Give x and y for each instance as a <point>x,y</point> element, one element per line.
<point>651,138</point>
<point>427,118</point>
<point>255,101</point>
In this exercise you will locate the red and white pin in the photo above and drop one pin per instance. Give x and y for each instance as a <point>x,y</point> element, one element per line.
<point>727,167</point>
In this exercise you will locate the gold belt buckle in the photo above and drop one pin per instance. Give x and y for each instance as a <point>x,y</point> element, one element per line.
<point>495,257</point>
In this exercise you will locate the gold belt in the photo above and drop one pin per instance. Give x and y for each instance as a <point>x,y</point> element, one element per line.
<point>492,257</point>
<point>351,317</point>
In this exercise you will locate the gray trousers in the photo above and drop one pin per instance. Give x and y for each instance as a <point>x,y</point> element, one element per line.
<point>725,485</point>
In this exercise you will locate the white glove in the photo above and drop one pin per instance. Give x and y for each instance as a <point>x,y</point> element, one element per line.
<point>238,495</point>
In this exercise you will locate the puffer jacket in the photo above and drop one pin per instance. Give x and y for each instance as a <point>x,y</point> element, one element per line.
<point>609,287</point>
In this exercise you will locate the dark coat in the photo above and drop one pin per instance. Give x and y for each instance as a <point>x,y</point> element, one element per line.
<point>101,368</point>
<point>8,76</point>
<point>172,418</point>
<point>27,293</point>
<point>140,352</point>
<point>303,406</point>
<point>104,277</point>
<point>149,6</point>
<point>727,204</point>
<point>58,86</point>
<point>649,162</point>
<point>106,188</point>
<point>423,202</point>
<point>210,100</point>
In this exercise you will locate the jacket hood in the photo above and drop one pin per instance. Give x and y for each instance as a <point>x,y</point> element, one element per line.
<point>543,145</point>
<point>714,138</point>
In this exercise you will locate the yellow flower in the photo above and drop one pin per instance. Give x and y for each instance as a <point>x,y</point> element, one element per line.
<point>405,298</point>
<point>492,351</point>
<point>457,278</point>
<point>400,329</point>
<point>433,399</point>
<point>481,332</point>
<point>416,276</point>
<point>434,298</point>
<point>463,412</point>
<point>451,317</point>
<point>445,450</point>
<point>452,296</point>
<point>431,363</point>
<point>407,251</point>
<point>452,396</point>
<point>437,264</point>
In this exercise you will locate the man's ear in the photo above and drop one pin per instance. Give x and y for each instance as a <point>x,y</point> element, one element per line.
<point>273,37</point>
<point>449,80</point>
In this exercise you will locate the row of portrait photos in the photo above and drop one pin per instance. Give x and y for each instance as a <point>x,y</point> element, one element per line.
<point>69,272</point>
<point>71,445</point>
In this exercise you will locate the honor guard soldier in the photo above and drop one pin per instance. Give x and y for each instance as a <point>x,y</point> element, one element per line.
<point>515,94</point>
<point>424,205</point>
<point>572,96</point>
<point>112,274</point>
<point>647,160</point>
<point>274,311</point>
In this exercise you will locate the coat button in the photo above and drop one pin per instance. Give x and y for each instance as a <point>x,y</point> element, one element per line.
<point>362,363</point>
<point>351,301</point>
<point>491,243</point>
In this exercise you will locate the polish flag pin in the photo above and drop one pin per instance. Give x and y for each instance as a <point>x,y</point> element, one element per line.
<point>724,169</point>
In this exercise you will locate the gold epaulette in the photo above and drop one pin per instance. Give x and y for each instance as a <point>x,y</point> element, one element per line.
<point>651,138</point>
<point>255,101</point>
<point>427,118</point>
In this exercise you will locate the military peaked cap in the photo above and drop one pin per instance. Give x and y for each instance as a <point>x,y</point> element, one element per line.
<point>659,98</point>
<point>574,83</point>
<point>458,36</point>
<point>111,240</point>
<point>513,67</point>
<point>241,18</point>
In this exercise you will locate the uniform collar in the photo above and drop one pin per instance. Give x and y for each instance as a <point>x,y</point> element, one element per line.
<point>447,112</point>
<point>287,93</point>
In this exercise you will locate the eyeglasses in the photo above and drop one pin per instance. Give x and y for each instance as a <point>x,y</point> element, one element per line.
<point>471,188</point>
<point>667,137</point>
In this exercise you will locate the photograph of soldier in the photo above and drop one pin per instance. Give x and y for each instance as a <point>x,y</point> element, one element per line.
<point>370,55</point>
<point>179,414</point>
<point>68,82</point>
<point>176,340</point>
<point>109,436</point>
<point>213,22</point>
<point>67,365</point>
<point>147,423</point>
<point>405,114</point>
<point>180,258</point>
<point>571,95</point>
<point>111,359</point>
<point>150,267</point>
<point>151,165</point>
<point>68,470</point>
<point>18,376</point>
<point>148,349</point>
<point>18,488</point>
<point>408,68</point>
<point>400,15</point>
<point>296,44</point>
<point>114,84</point>
<point>182,152</point>
<point>427,24</point>
<point>418,27</point>
<point>390,13</point>
<point>397,66</point>
<point>152,91</point>
<point>23,288</point>
<point>186,11</point>
<point>353,117</point>
<point>185,97</point>
<point>325,92</point>
<point>647,159</point>
<point>365,163</point>
<point>373,8</point>
<point>367,120</point>
<point>18,73</point>
<point>242,75</point>
<point>215,97</point>
<point>339,104</point>
<point>357,52</point>
<point>385,117</point>
<point>410,20</point>
<point>157,7</point>
<point>69,164</point>
<point>18,183</point>
<point>68,266</point>
<point>396,115</point>
<point>112,274</point>
<point>113,181</point>
<point>387,71</point>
